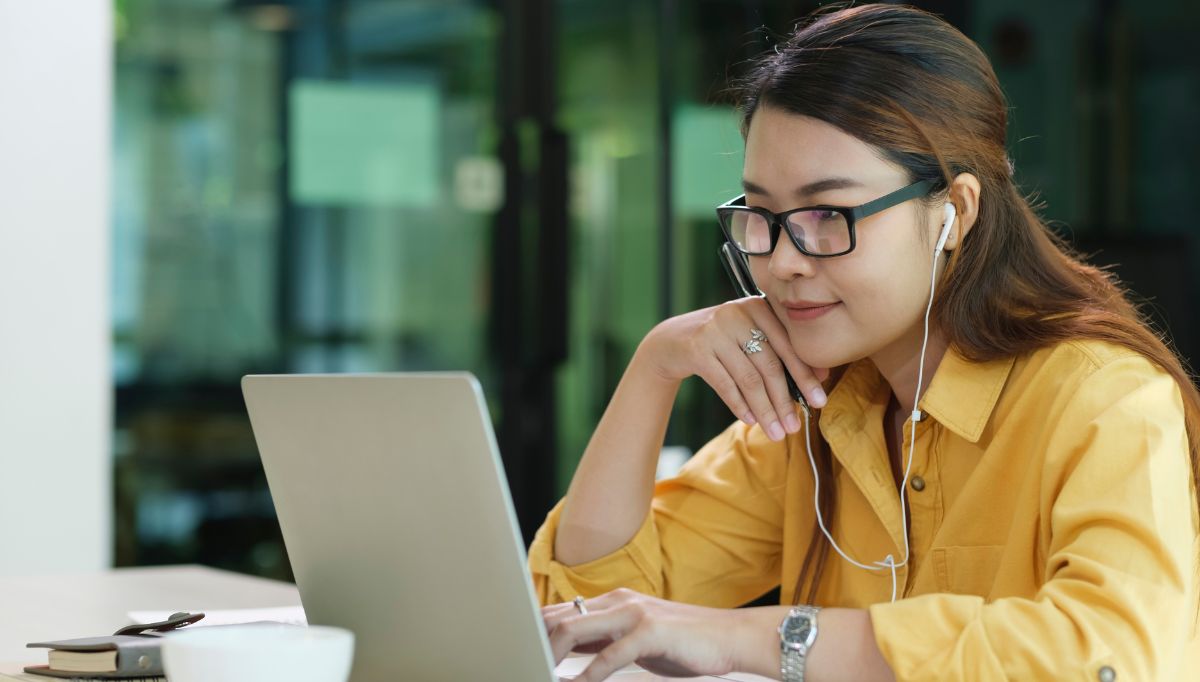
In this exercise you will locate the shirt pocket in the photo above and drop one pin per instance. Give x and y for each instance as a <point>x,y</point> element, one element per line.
<point>968,569</point>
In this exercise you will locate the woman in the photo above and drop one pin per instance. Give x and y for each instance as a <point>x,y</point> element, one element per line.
<point>1041,524</point>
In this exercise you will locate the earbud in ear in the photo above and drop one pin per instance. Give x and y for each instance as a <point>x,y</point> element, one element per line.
<point>950,212</point>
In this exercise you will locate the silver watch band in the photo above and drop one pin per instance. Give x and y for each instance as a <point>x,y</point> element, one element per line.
<point>792,665</point>
<point>793,652</point>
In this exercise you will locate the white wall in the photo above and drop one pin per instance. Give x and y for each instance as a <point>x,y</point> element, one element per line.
<point>55,390</point>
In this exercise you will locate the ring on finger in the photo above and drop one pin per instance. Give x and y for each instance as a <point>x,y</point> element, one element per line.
<point>754,345</point>
<point>579,606</point>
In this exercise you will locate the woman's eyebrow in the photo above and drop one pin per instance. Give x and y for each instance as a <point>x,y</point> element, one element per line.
<point>811,188</point>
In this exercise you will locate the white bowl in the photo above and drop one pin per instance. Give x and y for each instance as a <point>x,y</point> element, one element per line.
<point>259,653</point>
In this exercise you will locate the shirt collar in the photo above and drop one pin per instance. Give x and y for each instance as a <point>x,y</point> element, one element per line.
<point>961,395</point>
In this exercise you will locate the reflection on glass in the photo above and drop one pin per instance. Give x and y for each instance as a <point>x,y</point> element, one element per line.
<point>296,191</point>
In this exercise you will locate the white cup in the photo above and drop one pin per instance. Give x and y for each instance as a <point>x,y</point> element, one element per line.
<point>259,653</point>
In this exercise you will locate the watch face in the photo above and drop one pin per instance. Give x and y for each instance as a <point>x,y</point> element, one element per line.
<point>797,629</point>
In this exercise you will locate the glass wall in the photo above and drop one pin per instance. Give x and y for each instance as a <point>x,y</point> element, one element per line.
<point>197,209</point>
<point>520,189</point>
<point>299,188</point>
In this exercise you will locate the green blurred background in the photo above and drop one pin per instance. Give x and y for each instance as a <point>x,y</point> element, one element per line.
<point>521,190</point>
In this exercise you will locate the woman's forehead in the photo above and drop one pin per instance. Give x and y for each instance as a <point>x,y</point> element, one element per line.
<point>785,152</point>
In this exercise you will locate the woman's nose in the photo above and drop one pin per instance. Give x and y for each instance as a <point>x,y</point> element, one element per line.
<point>787,262</point>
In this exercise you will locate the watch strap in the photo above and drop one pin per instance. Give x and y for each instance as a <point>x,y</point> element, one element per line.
<point>794,656</point>
<point>792,665</point>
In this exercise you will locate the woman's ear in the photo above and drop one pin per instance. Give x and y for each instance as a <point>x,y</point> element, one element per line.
<point>964,194</point>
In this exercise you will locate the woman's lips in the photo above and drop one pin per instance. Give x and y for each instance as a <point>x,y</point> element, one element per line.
<point>808,313</point>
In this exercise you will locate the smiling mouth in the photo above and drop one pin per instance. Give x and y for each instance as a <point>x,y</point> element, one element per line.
<point>807,311</point>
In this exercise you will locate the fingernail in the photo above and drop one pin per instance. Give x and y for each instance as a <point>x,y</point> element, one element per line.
<point>819,398</point>
<point>749,419</point>
<point>793,424</point>
<point>775,431</point>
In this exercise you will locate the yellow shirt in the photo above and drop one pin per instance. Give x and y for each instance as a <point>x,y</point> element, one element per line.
<point>1056,534</point>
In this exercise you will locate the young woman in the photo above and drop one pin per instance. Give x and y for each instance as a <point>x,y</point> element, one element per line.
<point>997,479</point>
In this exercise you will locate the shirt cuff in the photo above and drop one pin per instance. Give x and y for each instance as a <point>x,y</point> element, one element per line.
<point>915,634</point>
<point>959,636</point>
<point>636,565</point>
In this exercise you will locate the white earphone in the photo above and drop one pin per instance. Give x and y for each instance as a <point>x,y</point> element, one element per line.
<point>949,212</point>
<point>889,563</point>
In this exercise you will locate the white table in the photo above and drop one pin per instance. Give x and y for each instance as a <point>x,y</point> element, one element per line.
<point>39,608</point>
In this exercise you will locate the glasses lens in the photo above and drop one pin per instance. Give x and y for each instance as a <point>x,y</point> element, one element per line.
<point>749,231</point>
<point>821,232</point>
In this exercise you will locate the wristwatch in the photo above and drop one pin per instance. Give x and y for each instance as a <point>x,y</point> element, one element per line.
<point>797,633</point>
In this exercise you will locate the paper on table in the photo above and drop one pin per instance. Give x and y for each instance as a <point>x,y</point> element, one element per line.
<point>293,615</point>
<point>575,664</point>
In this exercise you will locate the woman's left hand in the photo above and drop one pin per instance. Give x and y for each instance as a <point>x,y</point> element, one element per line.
<point>666,638</point>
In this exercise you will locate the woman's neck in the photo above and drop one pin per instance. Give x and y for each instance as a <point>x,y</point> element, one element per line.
<point>899,362</point>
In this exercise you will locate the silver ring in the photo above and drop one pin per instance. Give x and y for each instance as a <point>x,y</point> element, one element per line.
<point>580,607</point>
<point>754,345</point>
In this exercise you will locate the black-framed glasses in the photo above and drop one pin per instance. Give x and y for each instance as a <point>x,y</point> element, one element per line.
<point>817,231</point>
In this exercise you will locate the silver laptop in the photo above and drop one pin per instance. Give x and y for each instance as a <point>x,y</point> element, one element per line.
<point>399,525</point>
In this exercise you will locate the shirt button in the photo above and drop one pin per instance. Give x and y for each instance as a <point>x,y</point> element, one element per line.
<point>1107,674</point>
<point>917,483</point>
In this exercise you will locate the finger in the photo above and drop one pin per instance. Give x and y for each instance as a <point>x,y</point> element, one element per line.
<point>721,381</point>
<point>555,613</point>
<point>620,653</point>
<point>774,377</point>
<point>617,597</point>
<point>753,386</point>
<point>777,336</point>
<point>609,624</point>
<point>591,647</point>
<point>554,608</point>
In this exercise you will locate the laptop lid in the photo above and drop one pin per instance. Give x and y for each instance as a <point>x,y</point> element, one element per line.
<point>398,523</point>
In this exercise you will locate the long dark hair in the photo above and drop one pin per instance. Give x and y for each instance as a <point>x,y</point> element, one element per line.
<point>908,83</point>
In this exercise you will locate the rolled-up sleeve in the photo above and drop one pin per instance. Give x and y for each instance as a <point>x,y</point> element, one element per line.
<point>1119,598</point>
<point>713,534</point>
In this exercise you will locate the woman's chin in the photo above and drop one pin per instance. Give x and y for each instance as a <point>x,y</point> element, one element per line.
<point>819,359</point>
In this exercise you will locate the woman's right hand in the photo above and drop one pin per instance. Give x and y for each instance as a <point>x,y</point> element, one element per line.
<point>710,342</point>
